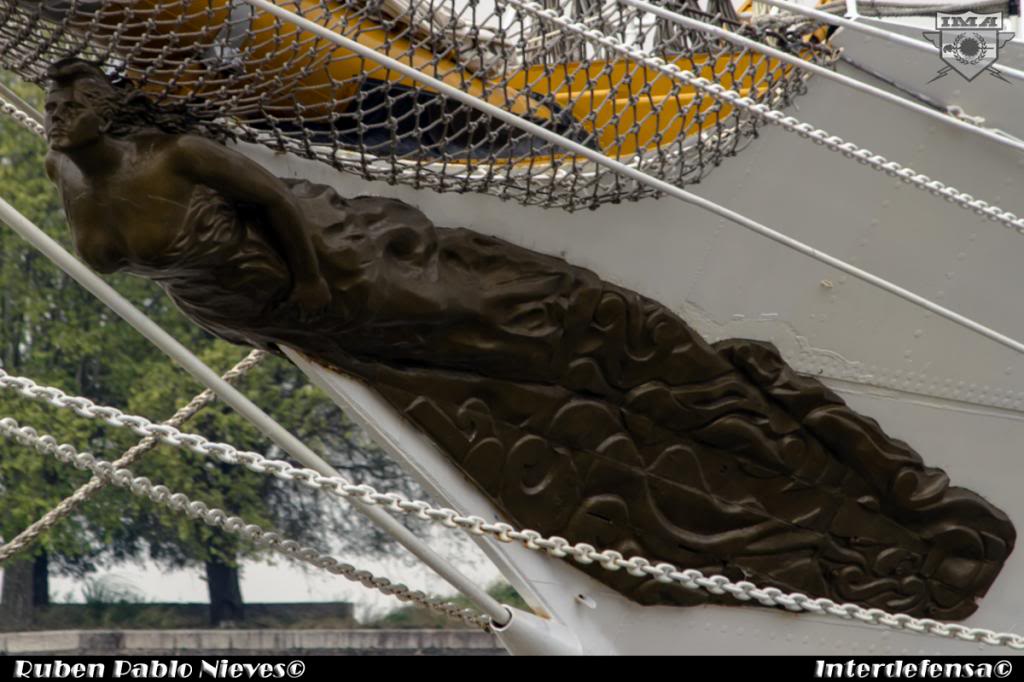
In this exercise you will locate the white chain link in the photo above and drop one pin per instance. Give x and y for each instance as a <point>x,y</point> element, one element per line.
<point>582,553</point>
<point>21,117</point>
<point>787,122</point>
<point>25,538</point>
<point>141,486</point>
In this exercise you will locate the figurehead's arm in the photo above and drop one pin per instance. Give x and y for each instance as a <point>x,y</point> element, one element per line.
<point>240,179</point>
<point>52,165</point>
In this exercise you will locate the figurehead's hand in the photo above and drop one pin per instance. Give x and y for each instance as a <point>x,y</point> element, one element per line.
<point>311,295</point>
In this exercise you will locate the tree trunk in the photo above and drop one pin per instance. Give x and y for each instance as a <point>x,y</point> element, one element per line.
<point>16,595</point>
<point>41,580</point>
<point>225,592</point>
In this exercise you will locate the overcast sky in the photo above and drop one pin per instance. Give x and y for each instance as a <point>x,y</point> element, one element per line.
<point>280,580</point>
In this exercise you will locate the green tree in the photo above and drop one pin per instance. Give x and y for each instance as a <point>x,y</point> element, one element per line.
<point>55,332</point>
<point>52,330</point>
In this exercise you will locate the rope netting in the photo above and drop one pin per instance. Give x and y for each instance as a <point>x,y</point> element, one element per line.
<point>278,85</point>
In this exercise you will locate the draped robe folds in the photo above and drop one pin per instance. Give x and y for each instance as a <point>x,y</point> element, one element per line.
<point>585,410</point>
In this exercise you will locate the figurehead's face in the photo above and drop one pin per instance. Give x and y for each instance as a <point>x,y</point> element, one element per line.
<point>73,119</point>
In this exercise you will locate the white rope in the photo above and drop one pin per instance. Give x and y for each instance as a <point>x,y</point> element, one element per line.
<point>141,486</point>
<point>25,538</point>
<point>582,553</point>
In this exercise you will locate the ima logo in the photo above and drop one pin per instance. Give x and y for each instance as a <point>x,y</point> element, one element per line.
<point>968,42</point>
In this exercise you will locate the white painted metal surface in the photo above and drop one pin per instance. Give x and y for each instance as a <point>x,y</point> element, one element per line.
<point>584,611</point>
<point>997,101</point>
<point>957,398</point>
<point>868,89</point>
<point>886,30</point>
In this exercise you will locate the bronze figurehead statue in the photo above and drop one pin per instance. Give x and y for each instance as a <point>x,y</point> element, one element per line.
<point>135,184</point>
<point>580,408</point>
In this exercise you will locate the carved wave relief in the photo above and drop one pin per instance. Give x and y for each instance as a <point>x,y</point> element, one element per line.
<point>581,409</point>
<point>585,410</point>
<point>755,473</point>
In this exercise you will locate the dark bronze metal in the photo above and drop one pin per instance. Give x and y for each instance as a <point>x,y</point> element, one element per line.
<point>580,408</point>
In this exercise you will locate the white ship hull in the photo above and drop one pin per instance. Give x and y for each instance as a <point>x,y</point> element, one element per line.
<point>954,396</point>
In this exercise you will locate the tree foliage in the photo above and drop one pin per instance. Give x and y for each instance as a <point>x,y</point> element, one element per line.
<point>54,332</point>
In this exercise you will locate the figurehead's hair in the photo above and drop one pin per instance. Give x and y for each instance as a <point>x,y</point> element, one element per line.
<point>125,108</point>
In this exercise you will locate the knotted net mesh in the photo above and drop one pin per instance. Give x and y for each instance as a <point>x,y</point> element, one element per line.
<point>276,84</point>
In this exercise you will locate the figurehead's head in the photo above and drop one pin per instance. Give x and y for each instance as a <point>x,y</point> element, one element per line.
<point>81,104</point>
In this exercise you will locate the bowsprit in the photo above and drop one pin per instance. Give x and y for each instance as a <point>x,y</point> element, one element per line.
<point>968,42</point>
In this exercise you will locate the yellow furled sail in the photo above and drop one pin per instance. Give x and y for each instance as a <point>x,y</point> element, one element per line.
<point>624,108</point>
